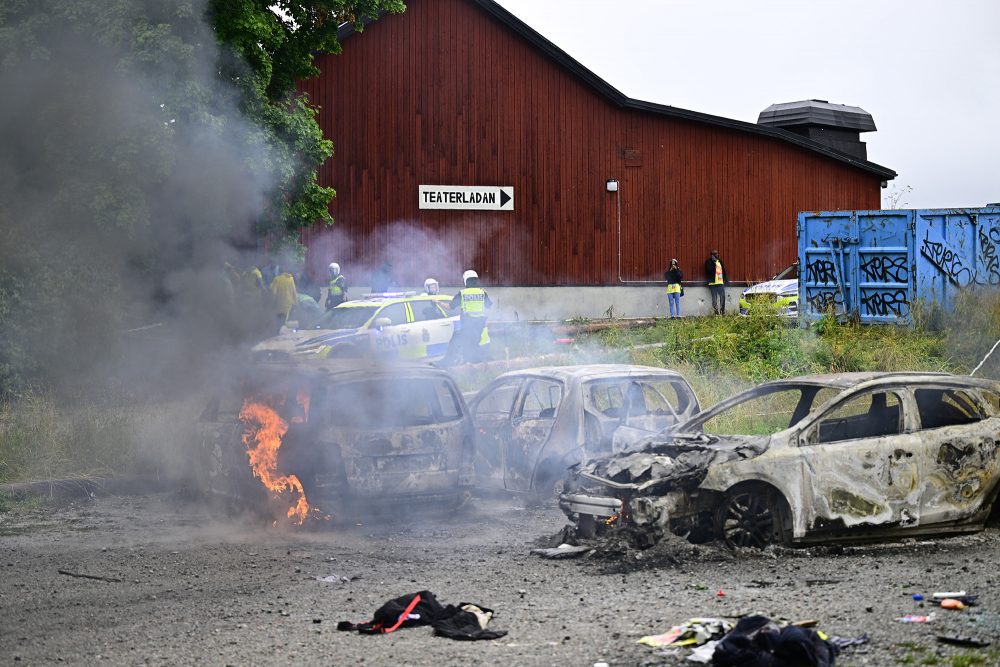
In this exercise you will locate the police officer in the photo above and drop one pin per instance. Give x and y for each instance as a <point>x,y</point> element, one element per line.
<point>472,302</point>
<point>337,293</point>
<point>431,287</point>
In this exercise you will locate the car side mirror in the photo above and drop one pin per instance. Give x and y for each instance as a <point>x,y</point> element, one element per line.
<point>382,322</point>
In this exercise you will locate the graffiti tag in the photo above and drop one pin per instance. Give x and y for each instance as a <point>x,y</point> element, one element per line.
<point>884,268</point>
<point>825,301</point>
<point>988,248</point>
<point>822,271</point>
<point>949,261</point>
<point>885,303</point>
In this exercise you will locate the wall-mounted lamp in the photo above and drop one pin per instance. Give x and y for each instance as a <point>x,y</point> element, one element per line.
<point>612,185</point>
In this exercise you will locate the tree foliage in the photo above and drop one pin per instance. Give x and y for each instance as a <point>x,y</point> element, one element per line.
<point>142,141</point>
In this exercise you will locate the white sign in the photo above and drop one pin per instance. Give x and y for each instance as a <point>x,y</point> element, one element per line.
<point>469,197</point>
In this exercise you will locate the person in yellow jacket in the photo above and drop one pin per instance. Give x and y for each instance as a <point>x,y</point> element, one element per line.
<point>715,276</point>
<point>472,303</point>
<point>284,296</point>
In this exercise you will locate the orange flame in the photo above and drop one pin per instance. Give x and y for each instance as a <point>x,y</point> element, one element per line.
<point>263,439</point>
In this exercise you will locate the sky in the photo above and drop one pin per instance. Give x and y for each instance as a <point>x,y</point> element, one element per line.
<point>928,72</point>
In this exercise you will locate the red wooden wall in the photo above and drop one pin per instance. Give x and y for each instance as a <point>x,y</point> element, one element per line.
<point>445,94</point>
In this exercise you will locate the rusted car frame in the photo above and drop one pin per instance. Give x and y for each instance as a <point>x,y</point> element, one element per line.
<point>362,436</point>
<point>534,423</point>
<point>810,459</point>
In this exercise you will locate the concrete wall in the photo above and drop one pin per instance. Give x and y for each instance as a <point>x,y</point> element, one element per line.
<point>563,303</point>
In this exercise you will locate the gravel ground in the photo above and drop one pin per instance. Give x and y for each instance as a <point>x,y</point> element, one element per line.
<point>195,589</point>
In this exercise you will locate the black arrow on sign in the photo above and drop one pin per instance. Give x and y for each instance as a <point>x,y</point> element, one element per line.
<point>504,198</point>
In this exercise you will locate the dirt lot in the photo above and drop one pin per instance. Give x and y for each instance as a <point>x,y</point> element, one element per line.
<point>195,589</point>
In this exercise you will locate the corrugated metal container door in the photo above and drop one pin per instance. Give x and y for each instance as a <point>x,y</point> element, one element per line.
<point>856,263</point>
<point>956,248</point>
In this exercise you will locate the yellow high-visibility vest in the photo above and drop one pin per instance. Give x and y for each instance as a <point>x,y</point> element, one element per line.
<point>473,301</point>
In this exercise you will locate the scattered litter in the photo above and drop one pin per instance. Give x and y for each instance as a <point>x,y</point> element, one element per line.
<point>757,640</point>
<point>88,576</point>
<point>963,641</point>
<point>823,582</point>
<point>467,621</point>
<point>808,623</point>
<point>335,579</point>
<point>844,642</point>
<point>913,618</point>
<point>962,597</point>
<point>720,594</point>
<point>564,550</point>
<point>703,654</point>
<point>693,632</point>
<point>952,603</point>
<point>918,597</point>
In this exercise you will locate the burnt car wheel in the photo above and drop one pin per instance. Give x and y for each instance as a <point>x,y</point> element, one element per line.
<point>752,517</point>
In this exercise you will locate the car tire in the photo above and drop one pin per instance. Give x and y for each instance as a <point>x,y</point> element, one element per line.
<point>753,516</point>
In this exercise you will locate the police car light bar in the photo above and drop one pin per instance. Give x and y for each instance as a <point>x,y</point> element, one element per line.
<point>389,295</point>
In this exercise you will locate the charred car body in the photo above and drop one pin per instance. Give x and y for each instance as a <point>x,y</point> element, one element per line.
<point>846,456</point>
<point>350,435</point>
<point>534,423</point>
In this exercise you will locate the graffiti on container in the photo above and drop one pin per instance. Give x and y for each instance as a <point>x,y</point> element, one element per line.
<point>885,303</point>
<point>826,300</point>
<point>949,261</point>
<point>988,249</point>
<point>886,268</point>
<point>822,271</point>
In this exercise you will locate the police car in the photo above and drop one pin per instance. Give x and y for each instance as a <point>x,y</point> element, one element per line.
<point>782,291</point>
<point>402,325</point>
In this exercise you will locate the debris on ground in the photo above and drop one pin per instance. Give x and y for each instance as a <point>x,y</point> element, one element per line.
<point>467,621</point>
<point>89,576</point>
<point>564,550</point>
<point>970,642</point>
<point>693,632</point>
<point>916,618</point>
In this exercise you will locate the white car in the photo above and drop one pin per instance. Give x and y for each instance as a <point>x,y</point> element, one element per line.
<point>782,291</point>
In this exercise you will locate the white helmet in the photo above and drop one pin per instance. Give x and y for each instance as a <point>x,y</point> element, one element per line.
<point>469,274</point>
<point>334,269</point>
<point>431,286</point>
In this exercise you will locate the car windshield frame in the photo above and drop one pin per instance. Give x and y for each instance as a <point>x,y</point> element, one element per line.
<point>347,318</point>
<point>695,424</point>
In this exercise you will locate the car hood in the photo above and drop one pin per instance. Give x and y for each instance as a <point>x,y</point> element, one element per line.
<point>773,287</point>
<point>306,341</point>
<point>680,460</point>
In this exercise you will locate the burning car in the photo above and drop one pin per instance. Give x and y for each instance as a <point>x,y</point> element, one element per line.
<point>532,424</point>
<point>782,291</point>
<point>809,459</point>
<point>337,435</point>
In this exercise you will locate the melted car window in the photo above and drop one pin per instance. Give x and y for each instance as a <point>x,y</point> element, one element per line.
<point>497,401</point>
<point>946,407</point>
<point>760,414</point>
<point>608,398</point>
<point>541,399</point>
<point>869,415</point>
<point>659,398</point>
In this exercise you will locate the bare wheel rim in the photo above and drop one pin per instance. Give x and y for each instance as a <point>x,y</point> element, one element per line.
<point>748,520</point>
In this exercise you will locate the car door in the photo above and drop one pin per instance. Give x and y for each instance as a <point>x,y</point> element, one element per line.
<point>432,325</point>
<point>394,338</point>
<point>861,463</point>
<point>534,415</point>
<point>959,435</point>
<point>491,416</point>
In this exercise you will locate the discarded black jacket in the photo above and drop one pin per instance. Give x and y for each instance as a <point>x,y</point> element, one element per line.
<point>757,642</point>
<point>423,608</point>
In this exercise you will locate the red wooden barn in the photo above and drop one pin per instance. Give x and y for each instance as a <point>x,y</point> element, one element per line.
<point>463,93</point>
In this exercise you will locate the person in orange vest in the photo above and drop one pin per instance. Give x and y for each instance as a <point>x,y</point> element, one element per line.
<point>715,274</point>
<point>284,296</point>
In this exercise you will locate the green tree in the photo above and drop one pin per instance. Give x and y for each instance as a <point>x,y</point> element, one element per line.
<point>142,141</point>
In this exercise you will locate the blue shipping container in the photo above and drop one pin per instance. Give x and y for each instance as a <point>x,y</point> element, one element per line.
<point>874,264</point>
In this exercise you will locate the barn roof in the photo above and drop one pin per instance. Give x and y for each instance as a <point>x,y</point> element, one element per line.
<point>621,100</point>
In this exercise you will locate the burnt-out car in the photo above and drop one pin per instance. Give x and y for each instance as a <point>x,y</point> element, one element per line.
<point>534,423</point>
<point>850,456</point>
<point>336,436</point>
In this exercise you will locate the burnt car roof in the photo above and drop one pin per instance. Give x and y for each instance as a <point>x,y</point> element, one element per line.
<point>847,380</point>
<point>584,372</point>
